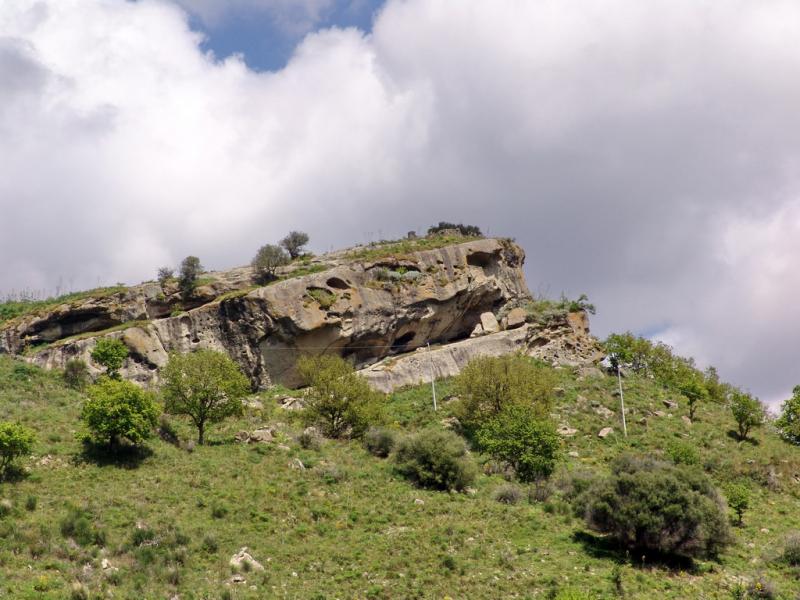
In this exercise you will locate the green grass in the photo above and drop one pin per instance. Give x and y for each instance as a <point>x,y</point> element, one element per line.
<point>171,521</point>
<point>12,309</point>
<point>403,247</point>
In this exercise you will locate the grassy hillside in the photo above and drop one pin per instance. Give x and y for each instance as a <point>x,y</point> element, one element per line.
<point>345,525</point>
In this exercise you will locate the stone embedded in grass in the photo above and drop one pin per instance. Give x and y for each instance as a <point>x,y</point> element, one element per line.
<point>566,430</point>
<point>670,404</point>
<point>243,561</point>
<point>605,432</point>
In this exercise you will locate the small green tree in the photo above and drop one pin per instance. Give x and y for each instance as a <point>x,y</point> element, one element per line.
<point>695,393</point>
<point>189,273</point>
<point>339,401</point>
<point>789,421</point>
<point>489,384</point>
<point>738,496</point>
<point>526,441</point>
<point>76,374</point>
<point>110,353</point>
<point>267,260</point>
<point>15,441</point>
<point>294,242</point>
<point>747,411</point>
<point>205,385</point>
<point>119,412</point>
<point>164,275</point>
<point>437,459</point>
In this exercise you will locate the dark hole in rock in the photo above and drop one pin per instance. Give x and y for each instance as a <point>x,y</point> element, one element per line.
<point>480,259</point>
<point>400,343</point>
<point>337,284</point>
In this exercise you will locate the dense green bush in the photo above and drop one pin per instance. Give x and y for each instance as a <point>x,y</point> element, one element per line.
<point>467,230</point>
<point>682,453</point>
<point>435,459</point>
<point>652,506</point>
<point>508,494</point>
<point>379,441</point>
<point>489,384</point>
<point>15,441</point>
<point>788,422</point>
<point>76,374</point>
<point>119,412</point>
<point>738,496</point>
<point>205,385</point>
<point>747,411</point>
<point>525,440</point>
<point>267,260</point>
<point>110,353</point>
<point>339,402</point>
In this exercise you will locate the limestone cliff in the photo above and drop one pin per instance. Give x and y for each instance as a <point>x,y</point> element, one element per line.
<point>364,304</point>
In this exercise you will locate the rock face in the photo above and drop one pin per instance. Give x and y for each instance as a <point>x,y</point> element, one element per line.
<point>361,307</point>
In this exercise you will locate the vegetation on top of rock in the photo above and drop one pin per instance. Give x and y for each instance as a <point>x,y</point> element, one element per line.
<point>267,260</point>
<point>188,276</point>
<point>465,230</point>
<point>339,401</point>
<point>650,506</point>
<point>293,243</point>
<point>13,308</point>
<point>110,353</point>
<point>405,247</point>
<point>204,385</point>
<point>164,275</point>
<point>118,413</point>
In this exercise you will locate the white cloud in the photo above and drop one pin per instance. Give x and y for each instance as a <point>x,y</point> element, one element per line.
<point>646,153</point>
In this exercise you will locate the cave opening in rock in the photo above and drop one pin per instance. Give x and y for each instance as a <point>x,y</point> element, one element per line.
<point>337,283</point>
<point>400,344</point>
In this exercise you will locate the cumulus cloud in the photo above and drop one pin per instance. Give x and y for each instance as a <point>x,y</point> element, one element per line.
<point>644,153</point>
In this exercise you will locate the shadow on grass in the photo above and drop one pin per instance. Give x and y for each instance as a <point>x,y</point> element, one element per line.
<point>734,435</point>
<point>604,547</point>
<point>123,457</point>
<point>13,474</point>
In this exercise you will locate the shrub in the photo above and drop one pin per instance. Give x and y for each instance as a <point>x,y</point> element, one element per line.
<point>747,411</point>
<point>267,260</point>
<point>205,385</point>
<point>527,442</point>
<point>489,384</point>
<point>761,587</point>
<point>508,494</point>
<point>118,411</point>
<point>189,273</point>
<point>165,274</point>
<point>791,548</point>
<point>379,441</point>
<point>30,503</point>
<point>340,402</point>
<point>789,421</point>
<point>78,525</point>
<point>294,242</point>
<point>435,459</point>
<point>682,454</point>
<point>76,374</point>
<point>209,545</point>
<point>695,393</point>
<point>110,353</point>
<point>738,496</point>
<point>15,441</point>
<point>310,439</point>
<point>323,297</point>
<point>648,505</point>
<point>466,230</point>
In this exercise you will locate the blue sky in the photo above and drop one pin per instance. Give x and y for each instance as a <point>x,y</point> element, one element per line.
<point>267,39</point>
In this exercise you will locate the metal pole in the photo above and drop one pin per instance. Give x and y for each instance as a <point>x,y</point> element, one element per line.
<point>622,402</point>
<point>433,377</point>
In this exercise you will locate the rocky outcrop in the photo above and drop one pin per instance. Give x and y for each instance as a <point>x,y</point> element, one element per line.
<point>364,305</point>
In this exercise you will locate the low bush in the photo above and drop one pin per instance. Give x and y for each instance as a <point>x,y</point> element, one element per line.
<point>761,587</point>
<point>379,441</point>
<point>310,439</point>
<point>76,374</point>
<point>508,494</point>
<point>119,412</point>
<point>791,548</point>
<point>78,525</point>
<point>435,459</point>
<point>15,441</point>
<point>682,454</point>
<point>652,506</point>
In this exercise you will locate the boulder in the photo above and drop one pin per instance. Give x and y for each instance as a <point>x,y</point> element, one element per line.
<point>515,318</point>
<point>604,412</point>
<point>489,322</point>
<point>566,431</point>
<point>605,432</point>
<point>670,404</point>
<point>243,561</point>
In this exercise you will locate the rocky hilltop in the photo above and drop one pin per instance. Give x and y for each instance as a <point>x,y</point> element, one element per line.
<point>381,306</point>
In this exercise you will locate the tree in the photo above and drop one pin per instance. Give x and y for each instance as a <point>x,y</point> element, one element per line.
<point>738,499</point>
<point>747,411</point>
<point>489,384</point>
<point>339,401</point>
<point>164,275</point>
<point>205,385</point>
<point>524,440</point>
<point>435,458</point>
<point>789,421</point>
<point>294,242</point>
<point>267,260</point>
<point>76,374</point>
<point>15,441</point>
<point>190,270</point>
<point>694,392</point>
<point>111,354</point>
<point>119,411</point>
<point>648,505</point>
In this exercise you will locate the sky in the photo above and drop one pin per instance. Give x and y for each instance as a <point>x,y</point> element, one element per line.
<point>645,153</point>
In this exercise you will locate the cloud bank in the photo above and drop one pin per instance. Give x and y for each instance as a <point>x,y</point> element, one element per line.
<point>645,153</point>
